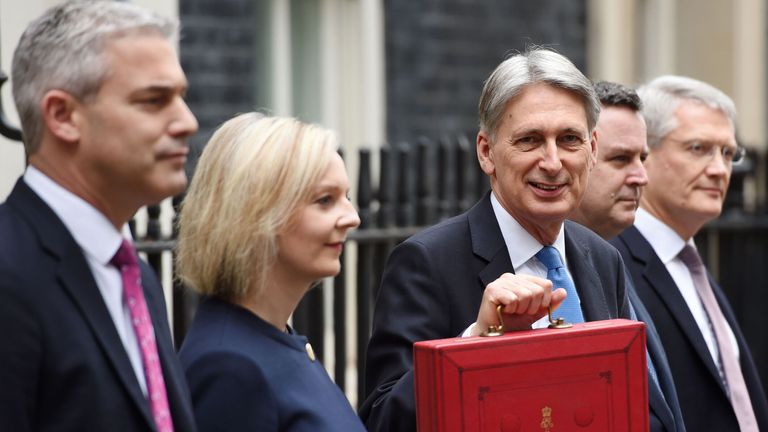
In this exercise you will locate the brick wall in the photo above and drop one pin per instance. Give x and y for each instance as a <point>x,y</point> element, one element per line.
<point>439,52</point>
<point>218,55</point>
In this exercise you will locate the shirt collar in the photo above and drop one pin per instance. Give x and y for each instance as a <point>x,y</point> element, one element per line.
<point>521,244</point>
<point>664,240</point>
<point>90,228</point>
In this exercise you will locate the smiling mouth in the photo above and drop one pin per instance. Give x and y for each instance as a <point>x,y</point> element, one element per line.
<point>546,187</point>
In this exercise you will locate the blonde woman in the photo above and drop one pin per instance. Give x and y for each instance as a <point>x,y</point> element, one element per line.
<point>264,219</point>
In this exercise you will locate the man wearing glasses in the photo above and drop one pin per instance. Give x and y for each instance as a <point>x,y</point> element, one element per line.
<point>691,136</point>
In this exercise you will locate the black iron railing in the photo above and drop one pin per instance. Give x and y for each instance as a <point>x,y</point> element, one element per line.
<point>6,129</point>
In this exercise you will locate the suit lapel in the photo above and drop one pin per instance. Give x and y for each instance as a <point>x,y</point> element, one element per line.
<point>661,283</point>
<point>657,404</point>
<point>498,265</point>
<point>77,280</point>
<point>660,405</point>
<point>487,241</point>
<point>586,279</point>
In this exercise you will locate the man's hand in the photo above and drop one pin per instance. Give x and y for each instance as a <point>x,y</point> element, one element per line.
<point>525,298</point>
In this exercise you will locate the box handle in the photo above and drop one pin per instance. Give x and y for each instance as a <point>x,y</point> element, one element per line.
<point>498,330</point>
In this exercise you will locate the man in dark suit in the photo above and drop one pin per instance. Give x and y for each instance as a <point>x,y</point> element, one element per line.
<point>537,145</point>
<point>691,135</point>
<point>608,207</point>
<point>86,344</point>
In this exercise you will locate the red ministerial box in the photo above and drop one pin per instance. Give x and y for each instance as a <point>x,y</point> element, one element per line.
<point>590,377</point>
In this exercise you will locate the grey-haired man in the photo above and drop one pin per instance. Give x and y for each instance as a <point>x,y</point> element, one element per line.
<point>86,344</point>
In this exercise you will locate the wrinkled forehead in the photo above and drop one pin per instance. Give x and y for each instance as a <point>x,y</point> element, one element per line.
<point>542,106</point>
<point>621,123</point>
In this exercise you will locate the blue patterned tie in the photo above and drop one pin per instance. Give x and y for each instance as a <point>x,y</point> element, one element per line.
<point>570,308</point>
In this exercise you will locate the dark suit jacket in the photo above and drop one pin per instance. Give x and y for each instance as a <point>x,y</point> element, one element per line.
<point>703,399</point>
<point>665,414</point>
<point>432,287</point>
<point>62,364</point>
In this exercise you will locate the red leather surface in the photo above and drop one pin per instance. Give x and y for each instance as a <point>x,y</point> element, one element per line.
<point>591,377</point>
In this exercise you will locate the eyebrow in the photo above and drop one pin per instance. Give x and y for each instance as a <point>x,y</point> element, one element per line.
<point>162,88</point>
<point>574,131</point>
<point>540,131</point>
<point>704,140</point>
<point>620,148</point>
<point>527,131</point>
<point>331,187</point>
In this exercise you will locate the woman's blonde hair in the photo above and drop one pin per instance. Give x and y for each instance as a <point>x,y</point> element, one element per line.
<point>251,177</point>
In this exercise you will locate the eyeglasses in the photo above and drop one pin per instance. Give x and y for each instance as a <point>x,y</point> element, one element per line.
<point>705,151</point>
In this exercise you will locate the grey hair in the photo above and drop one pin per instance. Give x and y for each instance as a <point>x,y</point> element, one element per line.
<point>662,96</point>
<point>537,65</point>
<point>64,49</point>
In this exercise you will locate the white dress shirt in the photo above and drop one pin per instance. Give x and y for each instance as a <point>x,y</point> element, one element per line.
<point>99,241</point>
<point>522,249</point>
<point>667,244</point>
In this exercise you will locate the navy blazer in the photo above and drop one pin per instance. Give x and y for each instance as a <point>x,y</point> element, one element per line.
<point>432,287</point>
<point>62,363</point>
<point>703,399</point>
<point>246,375</point>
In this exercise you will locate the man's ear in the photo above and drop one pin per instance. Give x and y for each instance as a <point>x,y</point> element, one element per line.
<point>58,112</point>
<point>593,149</point>
<point>485,153</point>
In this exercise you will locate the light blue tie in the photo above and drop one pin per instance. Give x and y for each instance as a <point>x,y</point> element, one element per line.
<point>570,308</point>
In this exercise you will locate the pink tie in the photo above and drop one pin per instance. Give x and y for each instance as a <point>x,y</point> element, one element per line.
<point>133,296</point>
<point>731,368</point>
